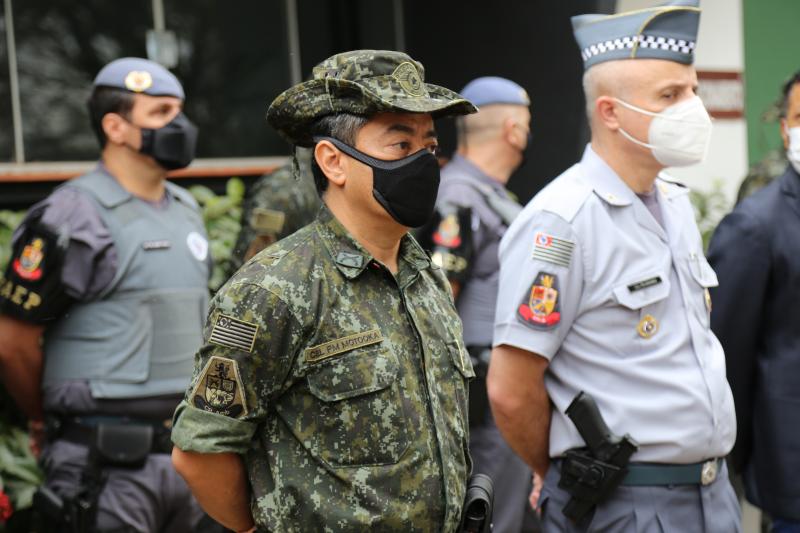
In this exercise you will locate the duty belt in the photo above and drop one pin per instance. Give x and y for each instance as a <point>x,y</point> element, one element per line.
<point>642,474</point>
<point>81,429</point>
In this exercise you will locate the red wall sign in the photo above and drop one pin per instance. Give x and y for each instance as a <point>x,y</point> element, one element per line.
<point>722,93</point>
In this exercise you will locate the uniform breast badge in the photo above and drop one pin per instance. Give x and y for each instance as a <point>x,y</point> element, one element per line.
<point>540,309</point>
<point>647,327</point>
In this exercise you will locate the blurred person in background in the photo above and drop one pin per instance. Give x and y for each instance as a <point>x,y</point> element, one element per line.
<point>474,209</point>
<point>755,251</point>
<point>101,311</point>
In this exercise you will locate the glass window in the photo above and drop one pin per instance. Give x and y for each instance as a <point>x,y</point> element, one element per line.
<point>233,59</point>
<point>6,122</point>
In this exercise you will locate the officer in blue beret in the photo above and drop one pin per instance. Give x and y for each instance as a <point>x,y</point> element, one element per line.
<point>604,296</point>
<point>101,310</point>
<point>473,211</point>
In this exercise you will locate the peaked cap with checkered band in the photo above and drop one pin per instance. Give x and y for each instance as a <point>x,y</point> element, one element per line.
<point>665,32</point>
<point>362,82</point>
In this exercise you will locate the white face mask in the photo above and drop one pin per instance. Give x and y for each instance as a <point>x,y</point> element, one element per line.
<point>793,152</point>
<point>679,135</point>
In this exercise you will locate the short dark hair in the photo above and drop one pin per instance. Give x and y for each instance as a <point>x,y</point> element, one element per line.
<point>341,126</point>
<point>105,100</point>
<point>787,89</point>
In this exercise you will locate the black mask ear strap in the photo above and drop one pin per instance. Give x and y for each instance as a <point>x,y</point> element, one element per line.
<point>369,160</point>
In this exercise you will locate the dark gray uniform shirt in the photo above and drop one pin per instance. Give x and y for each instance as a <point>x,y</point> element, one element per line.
<point>476,302</point>
<point>90,264</point>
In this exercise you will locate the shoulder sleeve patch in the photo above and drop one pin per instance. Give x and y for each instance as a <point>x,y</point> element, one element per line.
<point>539,308</point>
<point>552,249</point>
<point>219,388</point>
<point>233,333</point>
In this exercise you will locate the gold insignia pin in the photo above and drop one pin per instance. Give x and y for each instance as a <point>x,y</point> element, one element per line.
<point>708,300</point>
<point>648,326</point>
<point>138,81</point>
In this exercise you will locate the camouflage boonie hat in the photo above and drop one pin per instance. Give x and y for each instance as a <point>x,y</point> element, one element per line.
<point>362,82</point>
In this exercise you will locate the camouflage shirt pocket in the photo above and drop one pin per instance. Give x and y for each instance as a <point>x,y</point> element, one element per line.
<point>360,414</point>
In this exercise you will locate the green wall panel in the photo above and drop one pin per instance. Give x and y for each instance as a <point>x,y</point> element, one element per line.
<point>771,55</point>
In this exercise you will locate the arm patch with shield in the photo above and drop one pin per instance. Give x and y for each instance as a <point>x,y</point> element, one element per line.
<point>219,388</point>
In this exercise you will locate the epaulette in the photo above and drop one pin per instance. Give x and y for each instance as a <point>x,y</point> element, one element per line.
<point>565,195</point>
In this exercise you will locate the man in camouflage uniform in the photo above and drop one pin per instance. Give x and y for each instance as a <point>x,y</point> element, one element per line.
<point>330,394</point>
<point>279,203</point>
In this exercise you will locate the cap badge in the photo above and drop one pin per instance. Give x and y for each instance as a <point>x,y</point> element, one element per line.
<point>407,76</point>
<point>138,81</point>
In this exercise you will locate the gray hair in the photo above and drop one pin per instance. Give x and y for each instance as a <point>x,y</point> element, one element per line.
<point>341,126</point>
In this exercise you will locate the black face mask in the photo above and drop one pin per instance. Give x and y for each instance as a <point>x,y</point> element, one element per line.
<point>406,188</point>
<point>525,152</point>
<point>172,145</point>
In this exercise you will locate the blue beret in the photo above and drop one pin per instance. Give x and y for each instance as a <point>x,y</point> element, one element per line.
<point>665,32</point>
<point>493,90</point>
<point>139,75</point>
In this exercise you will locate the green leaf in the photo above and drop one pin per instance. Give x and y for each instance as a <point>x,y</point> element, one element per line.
<point>201,193</point>
<point>235,189</point>
<point>219,207</point>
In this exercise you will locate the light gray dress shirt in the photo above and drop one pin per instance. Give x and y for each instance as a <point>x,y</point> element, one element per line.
<point>619,306</point>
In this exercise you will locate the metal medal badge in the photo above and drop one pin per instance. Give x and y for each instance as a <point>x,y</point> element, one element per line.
<point>539,308</point>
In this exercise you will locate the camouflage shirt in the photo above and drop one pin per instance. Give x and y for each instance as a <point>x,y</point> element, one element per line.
<point>278,205</point>
<point>342,385</point>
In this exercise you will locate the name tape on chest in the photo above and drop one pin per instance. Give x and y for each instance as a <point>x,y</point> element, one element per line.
<point>345,344</point>
<point>645,283</point>
<point>552,249</point>
<point>234,333</point>
<point>156,245</point>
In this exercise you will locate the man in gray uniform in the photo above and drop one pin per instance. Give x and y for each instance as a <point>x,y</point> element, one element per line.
<point>101,310</point>
<point>474,209</point>
<point>604,289</point>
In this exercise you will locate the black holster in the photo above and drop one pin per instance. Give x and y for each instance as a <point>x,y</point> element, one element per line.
<point>111,445</point>
<point>478,395</point>
<point>478,504</point>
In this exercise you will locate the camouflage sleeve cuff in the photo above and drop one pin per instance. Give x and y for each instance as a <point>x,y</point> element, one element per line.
<point>195,430</point>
